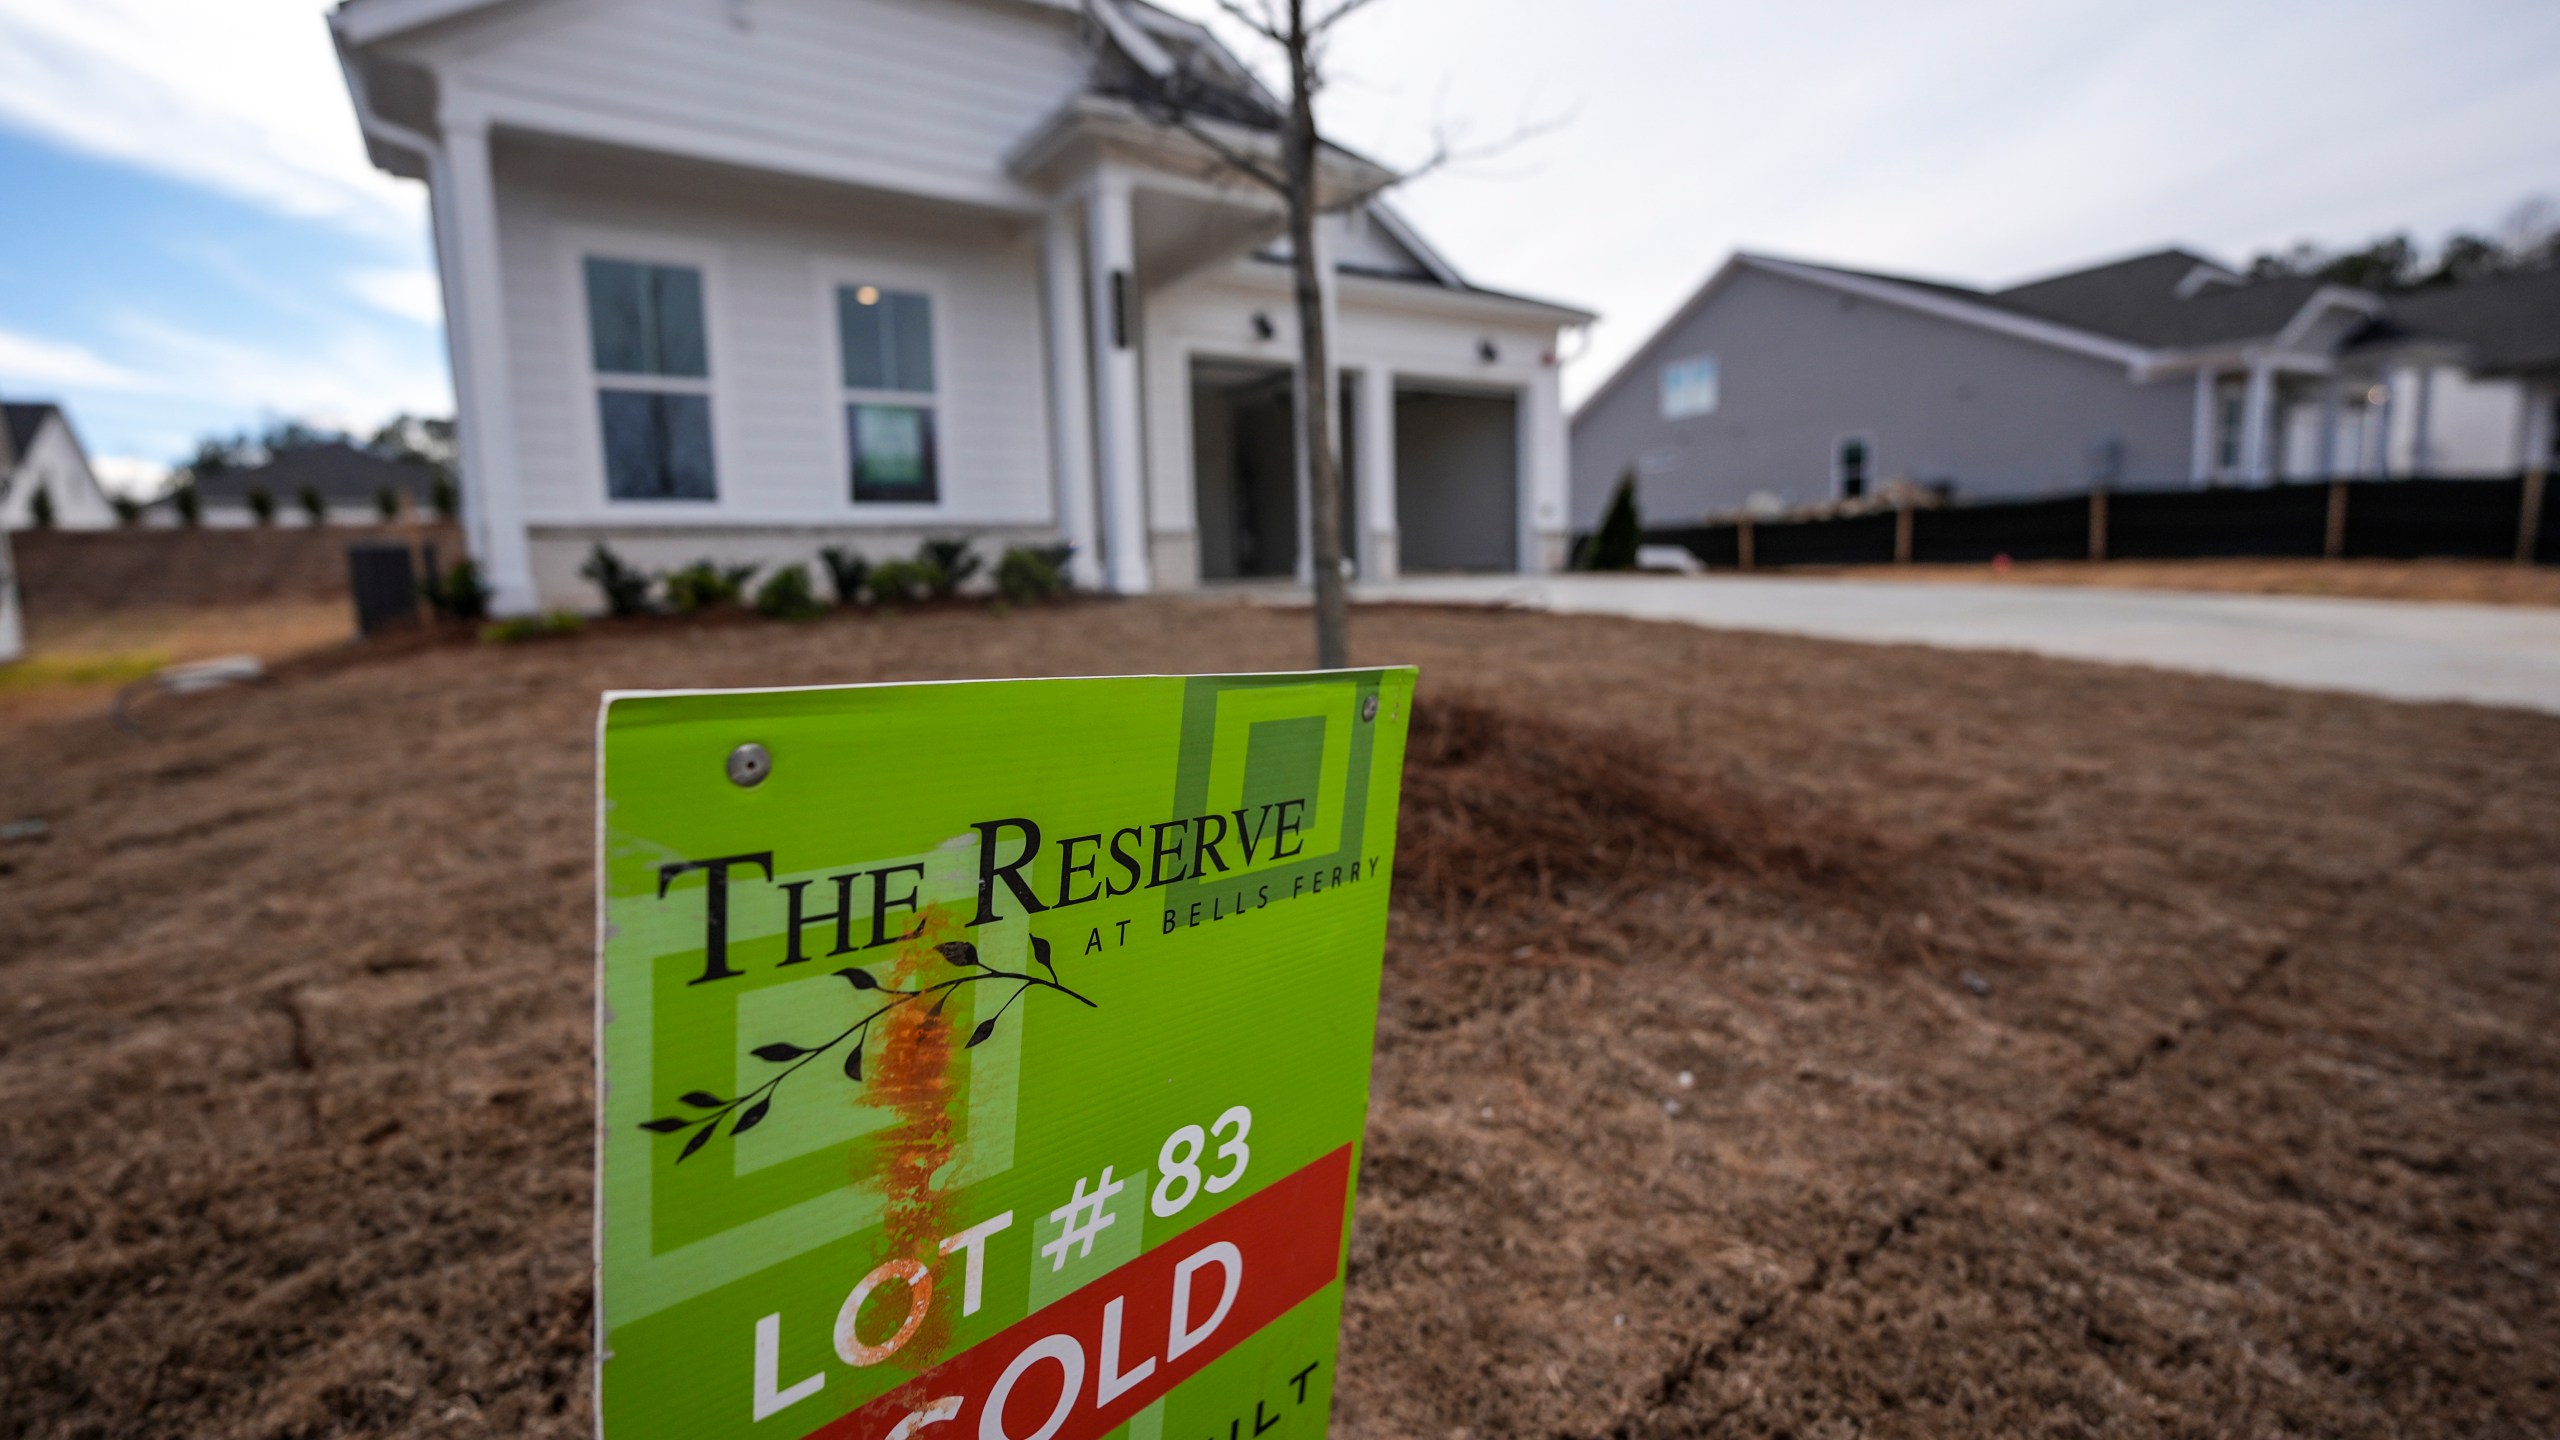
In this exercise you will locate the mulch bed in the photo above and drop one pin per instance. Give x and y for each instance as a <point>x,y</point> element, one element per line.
<point>1779,1038</point>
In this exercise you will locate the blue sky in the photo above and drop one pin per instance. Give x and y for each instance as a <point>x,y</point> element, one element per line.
<point>191,239</point>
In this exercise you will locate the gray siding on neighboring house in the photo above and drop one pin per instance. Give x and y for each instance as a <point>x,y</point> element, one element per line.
<point>1800,366</point>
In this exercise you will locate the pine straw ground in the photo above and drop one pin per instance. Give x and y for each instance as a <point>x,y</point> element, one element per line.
<point>1780,1038</point>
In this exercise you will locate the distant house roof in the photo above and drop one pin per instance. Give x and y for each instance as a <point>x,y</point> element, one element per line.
<point>2503,324</point>
<point>341,473</point>
<point>24,418</point>
<point>2145,300</point>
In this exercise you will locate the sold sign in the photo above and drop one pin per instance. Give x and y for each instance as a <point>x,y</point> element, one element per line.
<point>986,1061</point>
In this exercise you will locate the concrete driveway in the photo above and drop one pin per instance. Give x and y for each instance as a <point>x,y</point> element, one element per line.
<point>2491,655</point>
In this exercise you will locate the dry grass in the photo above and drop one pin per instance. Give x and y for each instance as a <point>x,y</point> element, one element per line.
<point>75,665</point>
<point>1988,1046</point>
<point>2475,582</point>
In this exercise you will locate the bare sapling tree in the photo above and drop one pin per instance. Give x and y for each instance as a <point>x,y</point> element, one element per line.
<point>1197,96</point>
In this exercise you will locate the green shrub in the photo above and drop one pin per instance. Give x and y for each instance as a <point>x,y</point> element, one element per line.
<point>1026,576</point>
<point>787,595</point>
<point>457,594</point>
<point>626,590</point>
<point>547,626</point>
<point>386,503</point>
<point>897,582</point>
<point>951,562</point>
<point>846,571</point>
<point>40,509</point>
<point>313,507</point>
<point>446,499</point>
<point>188,504</point>
<point>128,510</point>
<point>1621,530</point>
<point>703,585</point>
<point>262,506</point>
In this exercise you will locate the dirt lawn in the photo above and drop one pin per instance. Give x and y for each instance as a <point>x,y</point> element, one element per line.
<point>1915,1043</point>
<point>2476,582</point>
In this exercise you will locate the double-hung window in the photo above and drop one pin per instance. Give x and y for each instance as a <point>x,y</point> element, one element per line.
<point>653,379</point>
<point>886,337</point>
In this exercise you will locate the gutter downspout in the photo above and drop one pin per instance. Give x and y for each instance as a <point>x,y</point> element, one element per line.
<point>439,225</point>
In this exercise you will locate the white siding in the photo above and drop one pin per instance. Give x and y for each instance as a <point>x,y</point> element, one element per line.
<point>927,95</point>
<point>1211,317</point>
<point>770,252</point>
<point>55,465</point>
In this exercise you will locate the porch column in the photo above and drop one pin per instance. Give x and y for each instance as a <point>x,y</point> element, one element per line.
<point>2377,419</point>
<point>1377,507</point>
<point>2327,458</point>
<point>1111,250</point>
<point>2422,439</point>
<point>2256,415</point>
<point>2200,452</point>
<point>484,406</point>
<point>1070,398</point>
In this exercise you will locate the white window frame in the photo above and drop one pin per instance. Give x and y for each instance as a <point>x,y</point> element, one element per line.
<point>577,245</point>
<point>844,272</point>
<point>1839,473</point>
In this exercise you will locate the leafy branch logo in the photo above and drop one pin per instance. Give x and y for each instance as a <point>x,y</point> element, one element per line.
<point>751,1107</point>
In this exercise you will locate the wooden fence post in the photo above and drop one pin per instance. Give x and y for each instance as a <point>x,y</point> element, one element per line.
<point>1742,540</point>
<point>2097,523</point>
<point>2529,516</point>
<point>1902,533</point>
<point>2333,543</point>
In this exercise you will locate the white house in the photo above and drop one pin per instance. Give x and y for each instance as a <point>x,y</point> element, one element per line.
<point>40,455</point>
<point>747,277</point>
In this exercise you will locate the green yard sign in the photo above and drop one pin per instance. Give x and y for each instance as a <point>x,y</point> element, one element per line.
<point>987,1061</point>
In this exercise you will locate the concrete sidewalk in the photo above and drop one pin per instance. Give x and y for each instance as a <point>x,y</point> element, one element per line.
<point>2404,650</point>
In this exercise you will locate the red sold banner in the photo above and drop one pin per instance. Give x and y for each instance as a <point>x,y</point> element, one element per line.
<point>1085,1365</point>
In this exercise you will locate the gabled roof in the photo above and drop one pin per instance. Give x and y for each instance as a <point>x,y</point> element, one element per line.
<point>24,419</point>
<point>341,473</point>
<point>2504,324</point>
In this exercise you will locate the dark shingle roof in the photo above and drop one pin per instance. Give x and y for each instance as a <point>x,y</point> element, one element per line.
<point>25,418</point>
<point>341,473</point>
<point>2137,301</point>
<point>2506,323</point>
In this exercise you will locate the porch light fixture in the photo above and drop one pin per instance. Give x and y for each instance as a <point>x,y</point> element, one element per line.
<point>1263,329</point>
<point>867,295</point>
<point>1486,352</point>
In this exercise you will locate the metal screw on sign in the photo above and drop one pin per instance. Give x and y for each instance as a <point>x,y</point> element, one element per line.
<point>748,765</point>
<point>1369,706</point>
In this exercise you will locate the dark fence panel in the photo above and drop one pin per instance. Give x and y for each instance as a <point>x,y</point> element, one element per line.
<point>1718,547</point>
<point>2021,530</point>
<point>2385,519</point>
<point>1848,540</point>
<point>2196,524</point>
<point>2405,519</point>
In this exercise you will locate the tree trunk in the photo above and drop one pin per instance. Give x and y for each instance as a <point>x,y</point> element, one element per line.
<point>1315,411</point>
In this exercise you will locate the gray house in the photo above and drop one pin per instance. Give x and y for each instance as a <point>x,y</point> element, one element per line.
<point>1782,384</point>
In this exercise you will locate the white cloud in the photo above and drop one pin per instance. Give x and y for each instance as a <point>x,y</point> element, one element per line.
<point>353,378</point>
<point>31,361</point>
<point>243,96</point>
<point>130,475</point>
<point>409,292</point>
<point>1981,140</point>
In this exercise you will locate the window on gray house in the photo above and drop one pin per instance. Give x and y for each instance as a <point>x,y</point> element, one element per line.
<point>2226,447</point>
<point>1853,468</point>
<point>889,398</point>
<point>653,396</point>
<point>1690,387</point>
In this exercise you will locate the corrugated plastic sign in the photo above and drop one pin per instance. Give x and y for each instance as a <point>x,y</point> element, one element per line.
<point>986,1061</point>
